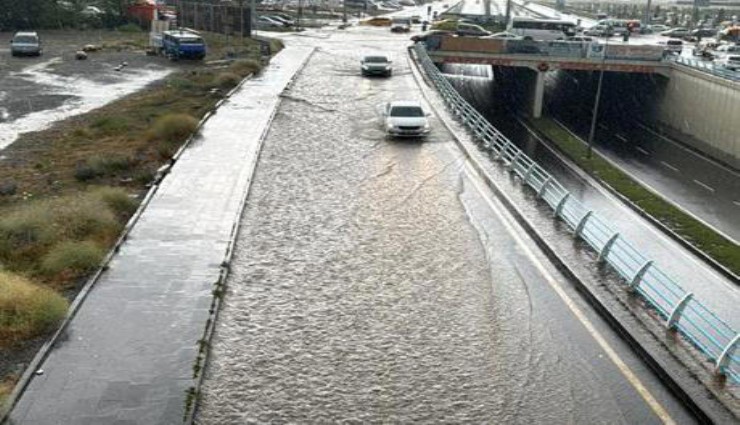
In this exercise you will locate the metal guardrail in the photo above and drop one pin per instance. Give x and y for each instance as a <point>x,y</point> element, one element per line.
<point>707,66</point>
<point>677,307</point>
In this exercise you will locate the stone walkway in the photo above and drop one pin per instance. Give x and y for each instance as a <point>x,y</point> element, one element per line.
<point>127,356</point>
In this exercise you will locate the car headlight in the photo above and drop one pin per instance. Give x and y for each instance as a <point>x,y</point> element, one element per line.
<point>365,67</point>
<point>426,126</point>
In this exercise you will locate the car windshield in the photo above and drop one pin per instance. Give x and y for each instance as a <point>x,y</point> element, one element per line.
<point>401,22</point>
<point>407,111</point>
<point>376,59</point>
<point>24,39</point>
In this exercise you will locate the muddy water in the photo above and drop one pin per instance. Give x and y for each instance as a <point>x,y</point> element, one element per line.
<point>36,92</point>
<point>372,282</point>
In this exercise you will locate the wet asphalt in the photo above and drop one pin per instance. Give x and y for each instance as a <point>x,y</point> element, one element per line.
<point>376,280</point>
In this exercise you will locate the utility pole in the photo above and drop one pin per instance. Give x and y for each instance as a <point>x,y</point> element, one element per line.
<point>595,114</point>
<point>508,15</point>
<point>648,19</point>
<point>344,12</point>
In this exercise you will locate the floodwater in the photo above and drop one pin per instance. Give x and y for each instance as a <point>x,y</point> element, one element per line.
<point>375,280</point>
<point>36,92</point>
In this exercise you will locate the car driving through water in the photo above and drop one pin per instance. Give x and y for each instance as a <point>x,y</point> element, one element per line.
<point>404,118</point>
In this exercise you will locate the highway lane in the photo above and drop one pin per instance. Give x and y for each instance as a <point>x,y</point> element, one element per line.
<point>705,188</point>
<point>379,281</point>
<point>496,99</point>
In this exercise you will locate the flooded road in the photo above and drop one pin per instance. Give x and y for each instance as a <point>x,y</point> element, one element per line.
<point>377,281</point>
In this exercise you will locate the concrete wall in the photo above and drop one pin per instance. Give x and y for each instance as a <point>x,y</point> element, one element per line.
<point>704,108</point>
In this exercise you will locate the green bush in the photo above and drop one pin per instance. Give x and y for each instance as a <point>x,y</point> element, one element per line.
<point>130,28</point>
<point>173,128</point>
<point>72,258</point>
<point>110,125</point>
<point>117,199</point>
<point>27,310</point>
<point>84,217</point>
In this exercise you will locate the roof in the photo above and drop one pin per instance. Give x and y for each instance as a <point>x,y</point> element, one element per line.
<point>405,103</point>
<point>27,33</point>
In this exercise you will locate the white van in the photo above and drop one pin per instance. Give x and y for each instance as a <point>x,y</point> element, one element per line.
<point>25,44</point>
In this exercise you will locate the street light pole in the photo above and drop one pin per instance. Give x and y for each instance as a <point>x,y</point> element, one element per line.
<point>595,114</point>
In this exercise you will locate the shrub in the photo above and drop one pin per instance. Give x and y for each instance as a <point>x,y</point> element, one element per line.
<point>27,310</point>
<point>111,164</point>
<point>110,125</point>
<point>72,258</point>
<point>226,80</point>
<point>130,28</point>
<point>25,233</point>
<point>84,217</point>
<point>117,200</point>
<point>84,172</point>
<point>245,67</point>
<point>173,128</point>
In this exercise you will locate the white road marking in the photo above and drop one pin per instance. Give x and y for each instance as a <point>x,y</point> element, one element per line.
<point>642,150</point>
<point>622,138</point>
<point>551,280</point>
<point>667,165</point>
<point>704,185</point>
<point>737,203</point>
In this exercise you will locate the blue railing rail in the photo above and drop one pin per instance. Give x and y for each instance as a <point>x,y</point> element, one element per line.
<point>706,66</point>
<point>677,307</point>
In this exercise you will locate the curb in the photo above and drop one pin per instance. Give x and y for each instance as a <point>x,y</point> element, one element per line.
<point>193,396</point>
<point>45,349</point>
<point>700,412</point>
<point>720,268</point>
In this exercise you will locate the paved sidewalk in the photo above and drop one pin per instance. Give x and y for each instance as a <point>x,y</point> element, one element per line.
<point>127,356</point>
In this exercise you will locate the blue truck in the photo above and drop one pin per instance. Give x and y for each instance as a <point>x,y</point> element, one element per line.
<point>180,44</point>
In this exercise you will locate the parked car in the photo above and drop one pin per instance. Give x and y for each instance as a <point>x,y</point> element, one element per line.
<point>677,32</point>
<point>284,21</point>
<point>182,44</point>
<point>731,62</point>
<point>658,28</point>
<point>416,19</point>
<point>599,31</point>
<point>424,36</point>
<point>504,35</point>
<point>376,65</point>
<point>27,43</point>
<point>268,22</point>
<point>378,21</point>
<point>579,39</point>
<point>471,30</point>
<point>405,119</point>
<point>726,49</point>
<point>672,46</point>
<point>401,25</point>
<point>703,32</point>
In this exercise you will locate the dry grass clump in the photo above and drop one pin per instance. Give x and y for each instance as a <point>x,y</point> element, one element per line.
<point>173,128</point>
<point>72,259</point>
<point>30,230</point>
<point>226,80</point>
<point>27,310</point>
<point>245,67</point>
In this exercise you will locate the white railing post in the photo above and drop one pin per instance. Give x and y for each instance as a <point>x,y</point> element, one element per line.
<point>678,310</point>
<point>561,204</point>
<point>544,186</point>
<point>724,358</point>
<point>637,278</point>
<point>607,247</point>
<point>582,223</point>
